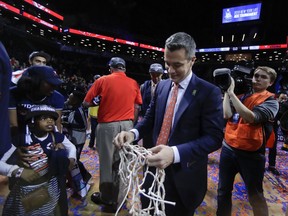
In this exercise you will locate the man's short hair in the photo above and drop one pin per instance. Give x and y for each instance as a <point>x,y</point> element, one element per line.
<point>181,40</point>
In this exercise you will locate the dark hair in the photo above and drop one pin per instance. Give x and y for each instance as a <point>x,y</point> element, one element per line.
<point>181,40</point>
<point>79,95</point>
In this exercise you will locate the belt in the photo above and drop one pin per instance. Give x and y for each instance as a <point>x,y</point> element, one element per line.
<point>115,121</point>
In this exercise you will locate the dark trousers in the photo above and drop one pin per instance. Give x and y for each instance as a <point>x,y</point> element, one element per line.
<point>273,151</point>
<point>85,174</point>
<point>62,206</point>
<point>79,148</point>
<point>94,123</point>
<point>251,167</point>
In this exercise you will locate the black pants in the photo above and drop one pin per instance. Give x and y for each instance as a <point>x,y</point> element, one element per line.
<point>273,151</point>
<point>251,167</point>
<point>94,123</point>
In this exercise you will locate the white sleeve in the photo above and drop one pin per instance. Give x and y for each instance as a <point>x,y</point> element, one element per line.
<point>7,169</point>
<point>176,154</point>
<point>136,133</point>
<point>70,147</point>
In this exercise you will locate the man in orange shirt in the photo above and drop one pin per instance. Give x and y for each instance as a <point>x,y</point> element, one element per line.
<point>120,99</point>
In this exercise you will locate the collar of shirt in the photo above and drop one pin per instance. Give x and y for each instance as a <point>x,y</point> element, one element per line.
<point>182,88</point>
<point>184,83</point>
<point>119,73</point>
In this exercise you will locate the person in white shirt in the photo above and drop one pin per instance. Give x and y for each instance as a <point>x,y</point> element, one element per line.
<point>35,58</point>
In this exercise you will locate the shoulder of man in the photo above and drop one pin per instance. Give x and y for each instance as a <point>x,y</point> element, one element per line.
<point>145,84</point>
<point>58,96</point>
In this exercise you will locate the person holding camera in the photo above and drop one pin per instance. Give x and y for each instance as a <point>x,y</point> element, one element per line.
<point>249,128</point>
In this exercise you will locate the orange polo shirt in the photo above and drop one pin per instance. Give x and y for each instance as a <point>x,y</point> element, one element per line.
<point>119,94</point>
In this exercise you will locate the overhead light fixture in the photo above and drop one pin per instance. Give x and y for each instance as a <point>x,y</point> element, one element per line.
<point>243,37</point>
<point>255,35</point>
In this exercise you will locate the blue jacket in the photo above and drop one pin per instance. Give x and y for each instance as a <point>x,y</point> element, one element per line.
<point>5,77</point>
<point>146,96</point>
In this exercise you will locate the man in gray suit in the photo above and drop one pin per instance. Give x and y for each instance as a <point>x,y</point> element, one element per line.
<point>196,131</point>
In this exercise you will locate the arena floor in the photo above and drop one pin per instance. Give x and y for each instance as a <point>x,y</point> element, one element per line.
<point>276,189</point>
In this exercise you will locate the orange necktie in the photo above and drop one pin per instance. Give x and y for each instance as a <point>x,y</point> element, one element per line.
<point>168,116</point>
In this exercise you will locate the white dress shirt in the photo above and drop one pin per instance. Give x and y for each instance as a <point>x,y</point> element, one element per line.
<point>181,90</point>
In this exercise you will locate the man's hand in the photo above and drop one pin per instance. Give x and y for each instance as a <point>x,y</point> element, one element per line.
<point>231,87</point>
<point>28,175</point>
<point>123,137</point>
<point>162,156</point>
<point>26,157</point>
<point>282,97</point>
<point>87,104</point>
<point>71,163</point>
<point>59,146</point>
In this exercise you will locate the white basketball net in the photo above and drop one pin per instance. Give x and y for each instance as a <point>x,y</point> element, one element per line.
<point>133,160</point>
